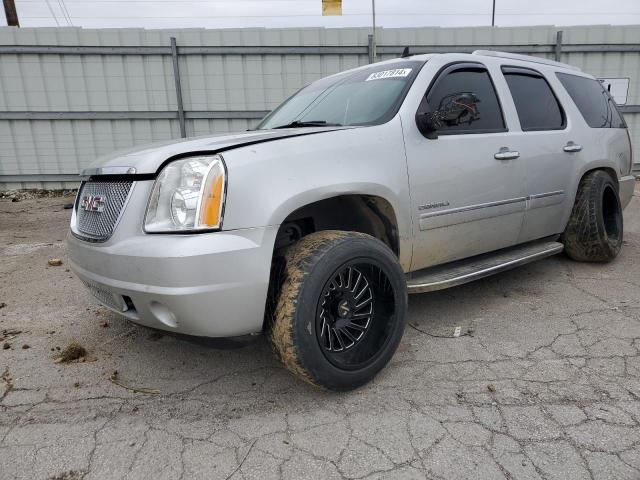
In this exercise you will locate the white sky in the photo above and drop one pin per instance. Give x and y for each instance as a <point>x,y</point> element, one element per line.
<point>308,13</point>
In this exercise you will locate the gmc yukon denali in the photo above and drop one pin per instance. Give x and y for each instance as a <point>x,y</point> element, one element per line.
<point>404,176</point>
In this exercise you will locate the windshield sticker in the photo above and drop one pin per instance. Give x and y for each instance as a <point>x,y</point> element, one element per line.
<point>398,72</point>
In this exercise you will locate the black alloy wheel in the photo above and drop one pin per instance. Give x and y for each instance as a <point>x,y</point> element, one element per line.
<point>341,309</point>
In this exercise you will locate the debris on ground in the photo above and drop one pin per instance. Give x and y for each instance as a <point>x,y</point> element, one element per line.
<point>444,331</point>
<point>491,387</point>
<point>19,195</point>
<point>155,336</point>
<point>26,347</point>
<point>2,304</point>
<point>6,378</point>
<point>9,334</point>
<point>70,475</point>
<point>113,378</point>
<point>55,262</point>
<point>72,353</point>
<point>6,346</point>
<point>104,324</point>
<point>242,461</point>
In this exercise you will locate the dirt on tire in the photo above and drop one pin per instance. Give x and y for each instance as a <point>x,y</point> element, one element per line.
<point>281,328</point>
<point>585,238</point>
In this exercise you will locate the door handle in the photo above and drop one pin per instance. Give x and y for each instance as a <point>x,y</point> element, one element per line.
<point>571,147</point>
<point>506,154</point>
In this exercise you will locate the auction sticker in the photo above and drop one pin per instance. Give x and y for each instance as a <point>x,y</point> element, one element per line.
<point>398,72</point>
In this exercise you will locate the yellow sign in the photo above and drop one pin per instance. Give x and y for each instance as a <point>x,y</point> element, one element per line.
<point>331,7</point>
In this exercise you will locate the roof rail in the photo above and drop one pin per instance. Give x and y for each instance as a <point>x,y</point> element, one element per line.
<point>524,58</point>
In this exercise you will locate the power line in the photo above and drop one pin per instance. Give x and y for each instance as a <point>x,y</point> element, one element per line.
<point>65,13</point>
<point>52,14</point>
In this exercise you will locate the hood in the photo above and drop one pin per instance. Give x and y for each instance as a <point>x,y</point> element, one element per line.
<point>149,158</point>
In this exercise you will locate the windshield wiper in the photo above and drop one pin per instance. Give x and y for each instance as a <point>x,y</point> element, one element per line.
<point>310,123</point>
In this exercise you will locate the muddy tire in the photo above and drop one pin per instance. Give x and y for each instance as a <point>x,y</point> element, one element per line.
<point>595,228</point>
<point>340,311</point>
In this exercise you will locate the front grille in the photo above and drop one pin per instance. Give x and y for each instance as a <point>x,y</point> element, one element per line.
<point>98,226</point>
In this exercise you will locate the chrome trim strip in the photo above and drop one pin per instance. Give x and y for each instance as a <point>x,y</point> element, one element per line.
<point>543,195</point>
<point>89,172</point>
<point>473,207</point>
<point>490,204</point>
<point>543,200</point>
<point>483,272</point>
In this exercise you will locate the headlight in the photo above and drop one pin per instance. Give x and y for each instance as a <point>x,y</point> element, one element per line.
<point>188,195</point>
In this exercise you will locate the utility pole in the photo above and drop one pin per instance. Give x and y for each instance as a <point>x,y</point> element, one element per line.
<point>493,14</point>
<point>373,33</point>
<point>11,13</point>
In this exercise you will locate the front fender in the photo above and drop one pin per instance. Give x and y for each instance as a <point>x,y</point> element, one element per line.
<point>268,181</point>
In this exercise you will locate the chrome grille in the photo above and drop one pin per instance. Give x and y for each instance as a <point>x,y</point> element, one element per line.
<point>98,226</point>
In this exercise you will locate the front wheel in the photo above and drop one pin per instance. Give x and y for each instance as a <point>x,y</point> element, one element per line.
<point>341,309</point>
<point>595,228</point>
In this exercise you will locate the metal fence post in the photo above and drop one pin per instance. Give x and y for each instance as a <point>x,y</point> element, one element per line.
<point>176,77</point>
<point>370,49</point>
<point>558,47</point>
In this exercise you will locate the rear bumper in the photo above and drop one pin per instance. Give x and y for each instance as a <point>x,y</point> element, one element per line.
<point>625,190</point>
<point>212,285</point>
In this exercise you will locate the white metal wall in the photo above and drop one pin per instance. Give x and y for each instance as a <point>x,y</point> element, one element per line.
<point>225,91</point>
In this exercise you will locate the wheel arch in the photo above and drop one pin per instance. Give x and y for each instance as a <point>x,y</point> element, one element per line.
<point>366,213</point>
<point>592,167</point>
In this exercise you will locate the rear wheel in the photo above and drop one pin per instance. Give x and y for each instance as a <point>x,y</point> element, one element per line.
<point>341,309</point>
<point>595,228</point>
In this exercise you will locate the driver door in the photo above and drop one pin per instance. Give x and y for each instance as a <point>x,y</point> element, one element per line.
<point>466,182</point>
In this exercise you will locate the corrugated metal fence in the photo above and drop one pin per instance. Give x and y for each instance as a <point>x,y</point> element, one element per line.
<point>69,95</point>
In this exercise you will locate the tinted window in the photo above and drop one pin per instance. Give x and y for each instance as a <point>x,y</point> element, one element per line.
<point>537,106</point>
<point>467,96</point>
<point>594,102</point>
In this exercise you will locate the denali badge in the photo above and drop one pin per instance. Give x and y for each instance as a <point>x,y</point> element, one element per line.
<point>429,206</point>
<point>93,203</point>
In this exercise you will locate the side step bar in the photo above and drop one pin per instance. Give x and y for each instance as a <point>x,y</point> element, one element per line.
<point>474,268</point>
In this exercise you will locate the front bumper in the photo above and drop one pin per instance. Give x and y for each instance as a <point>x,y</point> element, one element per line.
<point>212,285</point>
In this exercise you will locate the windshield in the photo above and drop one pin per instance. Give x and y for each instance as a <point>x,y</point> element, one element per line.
<point>365,97</point>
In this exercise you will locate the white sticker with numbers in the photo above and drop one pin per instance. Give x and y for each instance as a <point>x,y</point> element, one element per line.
<point>396,73</point>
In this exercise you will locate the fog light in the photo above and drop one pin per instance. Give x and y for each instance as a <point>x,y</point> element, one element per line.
<point>163,314</point>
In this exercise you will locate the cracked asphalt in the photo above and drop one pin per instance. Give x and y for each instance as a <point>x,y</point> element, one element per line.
<point>543,383</point>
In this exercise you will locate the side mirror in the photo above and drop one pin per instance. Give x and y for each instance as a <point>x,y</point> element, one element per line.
<point>428,124</point>
<point>459,109</point>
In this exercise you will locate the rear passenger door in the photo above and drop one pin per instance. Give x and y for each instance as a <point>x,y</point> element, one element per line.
<point>544,135</point>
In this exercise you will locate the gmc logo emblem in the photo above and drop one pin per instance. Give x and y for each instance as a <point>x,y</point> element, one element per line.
<point>93,203</point>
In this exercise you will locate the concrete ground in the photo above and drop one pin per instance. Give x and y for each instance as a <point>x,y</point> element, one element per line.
<point>543,383</point>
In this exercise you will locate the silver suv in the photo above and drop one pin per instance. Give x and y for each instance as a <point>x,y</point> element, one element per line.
<point>405,176</point>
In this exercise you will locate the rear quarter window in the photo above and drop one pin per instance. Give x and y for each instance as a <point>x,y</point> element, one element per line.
<point>595,104</point>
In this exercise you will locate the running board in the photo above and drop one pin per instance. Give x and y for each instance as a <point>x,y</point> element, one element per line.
<point>474,268</point>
